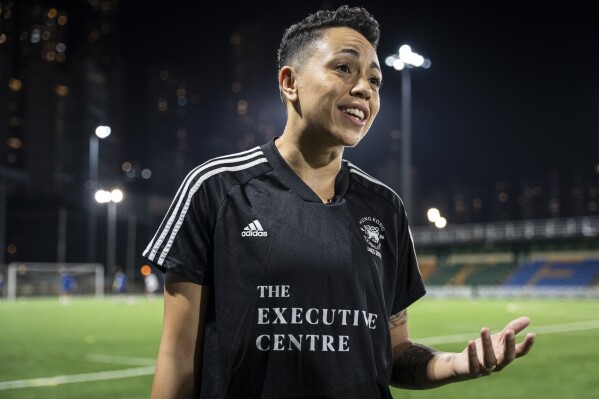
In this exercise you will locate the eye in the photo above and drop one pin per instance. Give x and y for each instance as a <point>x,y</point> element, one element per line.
<point>343,68</point>
<point>376,82</point>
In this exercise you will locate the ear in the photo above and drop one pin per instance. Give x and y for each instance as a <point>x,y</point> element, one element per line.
<point>288,83</point>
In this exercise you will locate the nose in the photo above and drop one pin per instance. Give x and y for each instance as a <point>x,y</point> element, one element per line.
<point>362,88</point>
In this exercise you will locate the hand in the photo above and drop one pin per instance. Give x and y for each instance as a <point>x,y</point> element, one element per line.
<point>492,353</point>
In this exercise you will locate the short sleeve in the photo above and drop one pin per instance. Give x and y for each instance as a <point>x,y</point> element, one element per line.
<point>409,285</point>
<point>183,242</point>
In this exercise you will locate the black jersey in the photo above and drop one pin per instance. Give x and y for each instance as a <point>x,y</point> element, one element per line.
<point>302,290</point>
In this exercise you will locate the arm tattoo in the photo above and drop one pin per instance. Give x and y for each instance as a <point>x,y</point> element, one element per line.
<point>410,367</point>
<point>448,358</point>
<point>398,319</point>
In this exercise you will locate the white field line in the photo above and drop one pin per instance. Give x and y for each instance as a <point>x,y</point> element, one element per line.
<point>147,370</point>
<point>130,361</point>
<point>68,379</point>
<point>547,329</point>
<point>535,310</point>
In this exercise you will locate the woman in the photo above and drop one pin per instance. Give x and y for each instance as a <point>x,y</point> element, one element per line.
<point>288,269</point>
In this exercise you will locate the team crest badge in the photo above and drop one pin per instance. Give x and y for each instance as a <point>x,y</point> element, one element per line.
<point>373,231</point>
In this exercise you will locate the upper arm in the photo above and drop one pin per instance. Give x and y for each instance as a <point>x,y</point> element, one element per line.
<point>179,364</point>
<point>185,306</point>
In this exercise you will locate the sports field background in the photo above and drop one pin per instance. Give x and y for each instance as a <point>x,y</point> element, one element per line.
<point>107,348</point>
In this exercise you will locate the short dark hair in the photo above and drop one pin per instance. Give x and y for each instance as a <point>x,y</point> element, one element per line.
<point>300,36</point>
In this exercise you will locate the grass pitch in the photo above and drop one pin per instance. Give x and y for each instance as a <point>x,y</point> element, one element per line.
<point>106,349</point>
<point>562,363</point>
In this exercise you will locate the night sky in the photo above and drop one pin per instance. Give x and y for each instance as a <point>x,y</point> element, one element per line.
<point>513,90</point>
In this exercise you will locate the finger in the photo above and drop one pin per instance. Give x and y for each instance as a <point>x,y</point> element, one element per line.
<point>509,349</point>
<point>518,324</point>
<point>489,359</point>
<point>473,362</point>
<point>524,347</point>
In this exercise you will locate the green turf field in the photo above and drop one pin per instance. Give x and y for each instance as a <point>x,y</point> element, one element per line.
<point>104,349</point>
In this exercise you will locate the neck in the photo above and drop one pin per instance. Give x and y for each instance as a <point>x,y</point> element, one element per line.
<point>314,163</point>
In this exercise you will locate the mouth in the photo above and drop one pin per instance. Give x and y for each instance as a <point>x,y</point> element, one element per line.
<point>357,113</point>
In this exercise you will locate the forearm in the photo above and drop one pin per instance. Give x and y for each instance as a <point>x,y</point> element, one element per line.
<point>421,367</point>
<point>417,366</point>
<point>174,376</point>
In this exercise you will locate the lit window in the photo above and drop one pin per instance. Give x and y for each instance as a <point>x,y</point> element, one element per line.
<point>14,142</point>
<point>162,104</point>
<point>242,107</point>
<point>15,84</point>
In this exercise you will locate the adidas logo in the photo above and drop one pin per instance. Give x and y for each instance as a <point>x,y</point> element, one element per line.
<point>254,229</point>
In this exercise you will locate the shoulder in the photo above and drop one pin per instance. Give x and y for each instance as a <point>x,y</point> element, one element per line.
<point>379,190</point>
<point>221,173</point>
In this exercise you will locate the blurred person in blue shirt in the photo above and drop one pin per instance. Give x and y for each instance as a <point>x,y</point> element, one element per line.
<point>119,284</point>
<point>1,284</point>
<point>67,286</point>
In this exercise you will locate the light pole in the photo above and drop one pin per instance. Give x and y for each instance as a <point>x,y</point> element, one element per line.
<point>405,60</point>
<point>112,198</point>
<point>94,154</point>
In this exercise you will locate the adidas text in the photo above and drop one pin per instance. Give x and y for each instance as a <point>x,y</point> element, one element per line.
<point>254,233</point>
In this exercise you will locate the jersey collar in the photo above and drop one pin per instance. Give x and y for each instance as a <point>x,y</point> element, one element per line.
<point>290,179</point>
